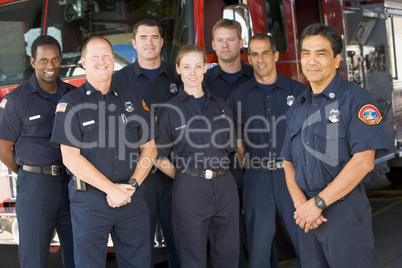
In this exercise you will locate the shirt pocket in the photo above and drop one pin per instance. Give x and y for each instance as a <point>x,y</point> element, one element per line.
<point>330,144</point>
<point>37,126</point>
<point>92,133</point>
<point>132,132</point>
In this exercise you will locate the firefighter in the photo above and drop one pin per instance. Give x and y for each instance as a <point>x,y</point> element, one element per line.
<point>223,79</point>
<point>105,140</point>
<point>196,136</point>
<point>155,81</point>
<point>26,118</point>
<point>260,106</point>
<point>334,131</point>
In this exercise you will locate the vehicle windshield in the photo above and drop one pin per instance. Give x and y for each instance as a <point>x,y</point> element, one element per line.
<point>71,22</point>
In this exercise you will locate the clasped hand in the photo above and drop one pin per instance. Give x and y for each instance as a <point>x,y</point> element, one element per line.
<point>308,216</point>
<point>120,195</point>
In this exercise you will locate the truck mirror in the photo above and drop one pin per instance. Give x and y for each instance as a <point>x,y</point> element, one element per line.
<point>241,14</point>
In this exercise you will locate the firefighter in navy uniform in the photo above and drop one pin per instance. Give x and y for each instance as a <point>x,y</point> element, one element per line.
<point>26,117</point>
<point>154,80</point>
<point>105,140</point>
<point>196,136</point>
<point>334,132</point>
<point>225,78</point>
<point>260,106</point>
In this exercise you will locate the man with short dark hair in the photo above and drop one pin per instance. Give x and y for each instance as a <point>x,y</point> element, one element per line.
<point>334,132</point>
<point>26,118</point>
<point>259,107</point>
<point>155,81</point>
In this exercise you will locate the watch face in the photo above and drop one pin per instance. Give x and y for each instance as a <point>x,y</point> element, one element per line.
<point>133,182</point>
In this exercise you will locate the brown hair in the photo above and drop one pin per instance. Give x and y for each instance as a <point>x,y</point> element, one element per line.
<point>187,49</point>
<point>84,46</point>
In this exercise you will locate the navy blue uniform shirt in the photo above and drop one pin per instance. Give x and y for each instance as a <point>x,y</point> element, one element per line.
<point>325,130</point>
<point>26,118</point>
<point>108,129</point>
<point>260,116</point>
<point>164,87</point>
<point>194,138</point>
<point>219,86</point>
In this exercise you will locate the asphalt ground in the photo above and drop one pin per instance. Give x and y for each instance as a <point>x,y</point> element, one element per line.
<point>385,199</point>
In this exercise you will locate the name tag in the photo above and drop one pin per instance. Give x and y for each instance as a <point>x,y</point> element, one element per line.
<point>183,126</point>
<point>34,117</point>
<point>88,123</point>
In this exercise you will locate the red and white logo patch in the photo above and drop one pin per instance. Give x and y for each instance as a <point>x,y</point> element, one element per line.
<point>370,115</point>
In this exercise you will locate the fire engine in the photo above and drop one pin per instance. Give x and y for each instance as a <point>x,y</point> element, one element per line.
<point>369,29</point>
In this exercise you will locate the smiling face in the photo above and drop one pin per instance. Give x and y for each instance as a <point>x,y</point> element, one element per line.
<point>227,44</point>
<point>191,68</point>
<point>263,59</point>
<point>148,42</point>
<point>98,61</point>
<point>319,64</point>
<point>47,64</point>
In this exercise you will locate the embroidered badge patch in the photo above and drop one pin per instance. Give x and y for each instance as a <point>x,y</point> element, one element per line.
<point>145,106</point>
<point>3,103</point>
<point>61,107</point>
<point>370,115</point>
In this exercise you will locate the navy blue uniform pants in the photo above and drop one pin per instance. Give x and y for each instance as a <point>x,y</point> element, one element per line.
<point>206,209</point>
<point>265,192</point>
<point>158,196</point>
<point>93,219</point>
<point>43,206</point>
<point>346,240</point>
<point>237,171</point>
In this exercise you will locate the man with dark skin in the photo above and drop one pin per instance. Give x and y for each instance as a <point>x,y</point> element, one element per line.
<point>26,116</point>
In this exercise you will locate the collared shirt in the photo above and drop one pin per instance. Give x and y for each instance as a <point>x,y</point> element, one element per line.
<point>108,129</point>
<point>219,86</point>
<point>260,116</point>
<point>164,87</point>
<point>26,118</point>
<point>194,138</point>
<point>325,130</point>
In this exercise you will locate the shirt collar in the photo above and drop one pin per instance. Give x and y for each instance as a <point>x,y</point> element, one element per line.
<point>34,86</point>
<point>280,83</point>
<point>90,90</point>
<point>183,95</point>
<point>331,91</point>
<point>138,71</point>
<point>217,71</point>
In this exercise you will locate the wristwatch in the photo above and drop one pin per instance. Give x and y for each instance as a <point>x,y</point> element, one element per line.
<point>133,182</point>
<point>320,203</point>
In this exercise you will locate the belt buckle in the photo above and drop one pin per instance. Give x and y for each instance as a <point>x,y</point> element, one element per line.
<point>208,174</point>
<point>271,165</point>
<point>56,170</point>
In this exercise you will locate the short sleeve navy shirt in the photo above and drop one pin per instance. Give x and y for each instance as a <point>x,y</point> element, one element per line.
<point>163,88</point>
<point>108,129</point>
<point>325,130</point>
<point>219,86</point>
<point>26,118</point>
<point>260,116</point>
<point>193,138</point>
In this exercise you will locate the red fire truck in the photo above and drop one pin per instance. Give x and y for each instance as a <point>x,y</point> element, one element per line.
<point>369,29</point>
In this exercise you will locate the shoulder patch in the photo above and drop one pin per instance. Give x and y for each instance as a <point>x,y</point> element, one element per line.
<point>145,106</point>
<point>370,115</point>
<point>3,103</point>
<point>61,107</point>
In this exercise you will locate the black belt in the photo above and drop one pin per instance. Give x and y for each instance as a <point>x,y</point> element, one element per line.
<point>53,170</point>
<point>270,165</point>
<point>207,174</point>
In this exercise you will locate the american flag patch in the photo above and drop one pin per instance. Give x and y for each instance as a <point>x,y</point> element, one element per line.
<point>3,103</point>
<point>61,107</point>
